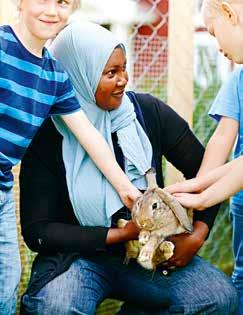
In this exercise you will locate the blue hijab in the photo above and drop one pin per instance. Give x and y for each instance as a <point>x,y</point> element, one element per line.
<point>84,49</point>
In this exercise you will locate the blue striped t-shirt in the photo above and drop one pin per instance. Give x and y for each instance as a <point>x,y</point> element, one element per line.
<point>31,89</point>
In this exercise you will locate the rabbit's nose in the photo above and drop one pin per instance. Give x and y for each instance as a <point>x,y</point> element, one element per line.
<point>146,223</point>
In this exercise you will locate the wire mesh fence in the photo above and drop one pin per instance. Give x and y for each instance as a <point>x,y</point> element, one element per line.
<point>149,54</point>
<point>147,41</point>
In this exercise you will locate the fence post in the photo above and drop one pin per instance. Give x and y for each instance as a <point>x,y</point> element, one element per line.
<point>180,65</point>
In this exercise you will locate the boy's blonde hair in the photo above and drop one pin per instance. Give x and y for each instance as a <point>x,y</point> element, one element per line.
<point>76,4</point>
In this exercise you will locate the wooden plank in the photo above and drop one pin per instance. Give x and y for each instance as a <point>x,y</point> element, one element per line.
<point>180,65</point>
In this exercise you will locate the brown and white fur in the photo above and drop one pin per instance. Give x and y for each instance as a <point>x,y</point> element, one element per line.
<point>159,215</point>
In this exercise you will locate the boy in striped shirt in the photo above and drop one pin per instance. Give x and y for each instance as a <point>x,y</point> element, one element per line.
<point>33,86</point>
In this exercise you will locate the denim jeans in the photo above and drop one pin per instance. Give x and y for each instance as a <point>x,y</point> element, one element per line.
<point>198,288</point>
<point>9,254</point>
<point>236,212</point>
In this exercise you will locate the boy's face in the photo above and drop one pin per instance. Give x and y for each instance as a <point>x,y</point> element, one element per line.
<point>44,19</point>
<point>228,34</point>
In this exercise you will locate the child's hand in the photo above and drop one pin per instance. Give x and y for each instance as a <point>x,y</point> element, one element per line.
<point>187,200</point>
<point>129,196</point>
<point>191,185</point>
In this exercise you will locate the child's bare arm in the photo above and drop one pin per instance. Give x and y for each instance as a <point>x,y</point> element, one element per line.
<point>99,151</point>
<point>228,181</point>
<point>202,182</point>
<point>219,145</point>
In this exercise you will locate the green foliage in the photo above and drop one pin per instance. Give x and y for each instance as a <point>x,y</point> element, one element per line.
<point>203,125</point>
<point>217,249</point>
<point>109,307</point>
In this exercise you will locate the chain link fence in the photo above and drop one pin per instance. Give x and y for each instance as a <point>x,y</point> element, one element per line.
<point>149,53</point>
<point>147,42</point>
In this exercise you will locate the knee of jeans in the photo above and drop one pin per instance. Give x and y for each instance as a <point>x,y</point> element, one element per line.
<point>228,302</point>
<point>10,285</point>
<point>41,305</point>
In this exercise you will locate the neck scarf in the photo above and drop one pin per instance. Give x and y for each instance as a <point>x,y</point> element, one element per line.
<point>84,49</point>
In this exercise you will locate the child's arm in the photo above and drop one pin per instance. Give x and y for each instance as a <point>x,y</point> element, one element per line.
<point>216,153</point>
<point>219,145</point>
<point>226,109</point>
<point>202,182</point>
<point>222,183</point>
<point>99,151</point>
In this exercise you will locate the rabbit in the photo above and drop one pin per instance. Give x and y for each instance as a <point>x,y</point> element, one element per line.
<point>158,215</point>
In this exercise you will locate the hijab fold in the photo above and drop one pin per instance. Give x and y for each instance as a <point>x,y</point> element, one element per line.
<point>84,49</point>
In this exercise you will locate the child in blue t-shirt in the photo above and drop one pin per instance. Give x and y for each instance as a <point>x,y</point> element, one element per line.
<point>223,20</point>
<point>33,86</point>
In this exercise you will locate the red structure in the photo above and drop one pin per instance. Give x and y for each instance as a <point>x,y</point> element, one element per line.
<point>150,46</point>
<point>160,10</point>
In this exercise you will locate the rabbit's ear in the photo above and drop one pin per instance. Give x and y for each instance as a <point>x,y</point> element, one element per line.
<point>150,176</point>
<point>179,211</point>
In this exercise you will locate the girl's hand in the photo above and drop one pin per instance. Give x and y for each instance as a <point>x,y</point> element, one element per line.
<point>187,200</point>
<point>129,196</point>
<point>191,185</point>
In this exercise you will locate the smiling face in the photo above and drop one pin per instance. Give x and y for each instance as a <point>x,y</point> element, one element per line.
<point>113,81</point>
<point>43,19</point>
<point>227,27</point>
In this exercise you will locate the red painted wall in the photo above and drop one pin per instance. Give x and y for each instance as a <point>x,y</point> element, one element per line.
<point>160,10</point>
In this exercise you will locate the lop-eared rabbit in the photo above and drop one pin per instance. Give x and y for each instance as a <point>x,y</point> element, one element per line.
<point>158,215</point>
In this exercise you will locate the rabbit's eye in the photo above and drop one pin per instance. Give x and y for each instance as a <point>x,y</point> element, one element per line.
<point>154,205</point>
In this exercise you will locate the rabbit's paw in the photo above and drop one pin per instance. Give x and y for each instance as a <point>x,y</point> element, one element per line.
<point>121,223</point>
<point>143,237</point>
<point>132,249</point>
<point>167,248</point>
<point>145,258</point>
